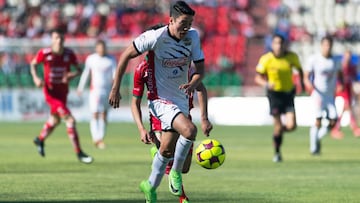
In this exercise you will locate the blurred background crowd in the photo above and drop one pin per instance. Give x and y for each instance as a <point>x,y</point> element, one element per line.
<point>234,33</point>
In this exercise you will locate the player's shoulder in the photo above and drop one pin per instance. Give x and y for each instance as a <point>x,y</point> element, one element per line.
<point>291,54</point>
<point>156,32</point>
<point>267,56</point>
<point>68,50</point>
<point>193,32</point>
<point>45,51</point>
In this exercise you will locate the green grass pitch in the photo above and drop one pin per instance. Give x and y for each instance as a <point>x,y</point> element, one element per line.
<point>247,175</point>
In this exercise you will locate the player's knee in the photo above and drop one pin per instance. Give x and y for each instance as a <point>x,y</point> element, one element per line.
<point>291,127</point>
<point>190,132</point>
<point>166,152</point>
<point>54,120</point>
<point>70,121</point>
<point>332,124</point>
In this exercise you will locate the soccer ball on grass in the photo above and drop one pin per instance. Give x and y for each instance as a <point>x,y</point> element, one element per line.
<point>210,154</point>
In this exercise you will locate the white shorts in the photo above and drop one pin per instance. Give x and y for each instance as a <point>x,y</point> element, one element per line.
<point>165,111</point>
<point>98,101</point>
<point>324,104</point>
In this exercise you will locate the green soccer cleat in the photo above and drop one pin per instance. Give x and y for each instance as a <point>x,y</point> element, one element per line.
<point>153,151</point>
<point>175,182</point>
<point>150,193</point>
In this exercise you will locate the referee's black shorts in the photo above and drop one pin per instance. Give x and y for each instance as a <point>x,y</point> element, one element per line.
<point>281,102</point>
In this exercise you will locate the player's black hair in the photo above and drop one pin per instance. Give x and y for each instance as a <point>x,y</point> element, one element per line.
<point>180,8</point>
<point>280,37</point>
<point>100,41</point>
<point>57,30</point>
<point>327,38</point>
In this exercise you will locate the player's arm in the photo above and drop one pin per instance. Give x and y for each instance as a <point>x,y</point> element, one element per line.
<point>301,75</point>
<point>129,53</point>
<point>340,77</point>
<point>195,79</point>
<point>83,78</point>
<point>33,70</point>
<point>74,73</point>
<point>137,115</point>
<point>261,78</point>
<point>308,71</point>
<point>206,125</point>
<point>307,83</point>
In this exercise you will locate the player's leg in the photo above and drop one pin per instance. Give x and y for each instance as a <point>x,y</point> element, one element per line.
<point>330,109</point>
<point>94,126</point>
<point>103,106</point>
<point>102,129</point>
<point>288,108</point>
<point>353,122</point>
<point>183,198</point>
<point>314,136</point>
<point>74,137</point>
<point>277,137</point>
<point>48,127</point>
<point>187,131</point>
<point>161,159</point>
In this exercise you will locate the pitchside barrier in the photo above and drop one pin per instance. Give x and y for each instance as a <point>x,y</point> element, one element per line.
<point>29,105</point>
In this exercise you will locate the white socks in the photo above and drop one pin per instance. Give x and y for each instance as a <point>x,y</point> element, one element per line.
<point>97,129</point>
<point>158,169</point>
<point>314,131</point>
<point>181,151</point>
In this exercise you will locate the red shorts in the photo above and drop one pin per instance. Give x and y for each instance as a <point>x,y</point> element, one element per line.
<point>346,95</point>
<point>57,102</point>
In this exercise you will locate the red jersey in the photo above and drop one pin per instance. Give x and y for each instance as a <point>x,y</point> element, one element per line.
<point>349,76</point>
<point>144,75</point>
<point>55,67</point>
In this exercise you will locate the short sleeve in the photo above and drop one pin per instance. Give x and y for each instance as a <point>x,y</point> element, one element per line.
<point>295,61</point>
<point>145,42</point>
<point>261,66</point>
<point>73,58</point>
<point>197,53</point>
<point>309,64</point>
<point>139,77</point>
<point>39,58</point>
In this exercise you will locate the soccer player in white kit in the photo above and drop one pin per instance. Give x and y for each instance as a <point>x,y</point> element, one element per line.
<point>100,66</point>
<point>174,47</point>
<point>320,76</point>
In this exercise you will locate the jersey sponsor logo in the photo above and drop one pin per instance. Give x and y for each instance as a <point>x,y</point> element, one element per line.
<point>177,62</point>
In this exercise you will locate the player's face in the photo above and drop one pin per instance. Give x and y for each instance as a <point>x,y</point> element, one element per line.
<point>347,56</point>
<point>180,26</point>
<point>100,49</point>
<point>277,46</point>
<point>326,47</point>
<point>57,40</point>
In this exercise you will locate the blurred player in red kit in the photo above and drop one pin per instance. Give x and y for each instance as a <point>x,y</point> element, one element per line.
<point>57,61</point>
<point>347,93</point>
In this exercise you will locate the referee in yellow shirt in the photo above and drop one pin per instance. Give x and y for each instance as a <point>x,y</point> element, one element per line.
<point>274,72</point>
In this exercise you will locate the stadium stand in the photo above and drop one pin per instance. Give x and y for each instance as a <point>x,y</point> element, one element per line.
<point>232,32</point>
<point>224,27</point>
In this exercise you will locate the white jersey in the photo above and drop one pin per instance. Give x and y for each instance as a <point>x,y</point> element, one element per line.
<point>171,59</point>
<point>102,71</point>
<point>324,72</point>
